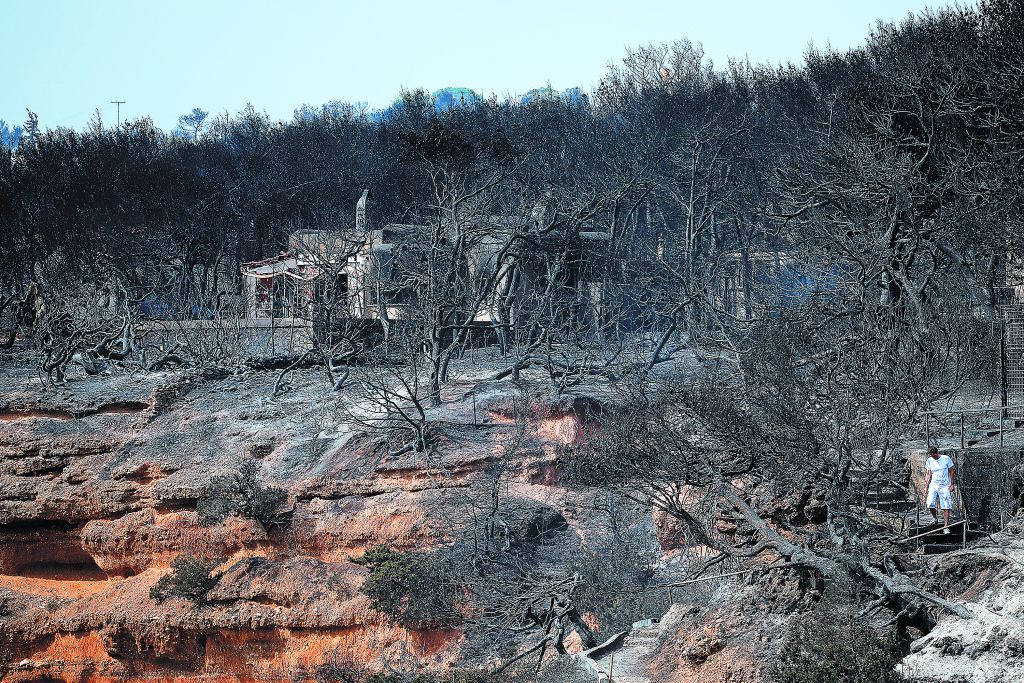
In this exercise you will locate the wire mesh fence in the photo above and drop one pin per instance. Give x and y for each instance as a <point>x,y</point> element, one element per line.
<point>987,496</point>
<point>1012,360</point>
<point>985,477</point>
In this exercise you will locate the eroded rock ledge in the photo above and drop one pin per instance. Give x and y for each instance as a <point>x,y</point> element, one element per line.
<point>99,482</point>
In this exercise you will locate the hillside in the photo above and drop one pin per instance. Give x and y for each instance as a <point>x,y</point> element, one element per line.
<point>100,484</point>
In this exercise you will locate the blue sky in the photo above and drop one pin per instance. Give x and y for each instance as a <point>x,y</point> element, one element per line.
<point>66,58</point>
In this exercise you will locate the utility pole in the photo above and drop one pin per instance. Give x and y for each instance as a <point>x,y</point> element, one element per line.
<point>118,103</point>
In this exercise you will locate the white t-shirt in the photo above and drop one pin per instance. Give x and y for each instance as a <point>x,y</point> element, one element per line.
<point>939,467</point>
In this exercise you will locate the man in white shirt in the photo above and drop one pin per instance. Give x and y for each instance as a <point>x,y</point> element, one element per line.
<point>940,482</point>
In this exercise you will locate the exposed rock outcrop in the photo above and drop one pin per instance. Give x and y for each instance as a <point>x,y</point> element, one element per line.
<point>989,647</point>
<point>99,483</point>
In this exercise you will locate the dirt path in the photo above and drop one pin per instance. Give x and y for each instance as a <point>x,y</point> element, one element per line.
<point>628,663</point>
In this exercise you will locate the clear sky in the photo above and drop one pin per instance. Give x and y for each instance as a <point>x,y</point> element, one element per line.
<point>66,58</point>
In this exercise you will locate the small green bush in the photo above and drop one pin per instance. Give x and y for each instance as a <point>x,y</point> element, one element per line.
<point>241,493</point>
<point>189,578</point>
<point>824,649</point>
<point>412,588</point>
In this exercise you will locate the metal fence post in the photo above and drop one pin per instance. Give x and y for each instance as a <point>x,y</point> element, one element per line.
<point>917,507</point>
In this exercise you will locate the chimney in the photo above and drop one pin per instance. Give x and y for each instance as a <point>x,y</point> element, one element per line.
<point>363,222</point>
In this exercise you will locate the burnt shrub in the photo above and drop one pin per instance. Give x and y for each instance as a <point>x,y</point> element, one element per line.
<point>452,677</point>
<point>413,588</point>
<point>828,648</point>
<point>242,493</point>
<point>339,668</point>
<point>189,578</point>
<point>615,587</point>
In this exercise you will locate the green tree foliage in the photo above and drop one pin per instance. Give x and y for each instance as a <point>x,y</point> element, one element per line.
<point>412,588</point>
<point>241,493</point>
<point>189,578</point>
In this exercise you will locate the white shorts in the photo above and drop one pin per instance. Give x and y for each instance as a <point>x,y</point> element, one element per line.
<point>941,495</point>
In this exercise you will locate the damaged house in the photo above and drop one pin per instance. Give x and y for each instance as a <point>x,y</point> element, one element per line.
<point>357,272</point>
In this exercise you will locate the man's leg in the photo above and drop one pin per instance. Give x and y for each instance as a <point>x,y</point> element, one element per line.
<point>946,501</point>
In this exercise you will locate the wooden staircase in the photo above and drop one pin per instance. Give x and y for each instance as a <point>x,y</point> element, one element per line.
<point>901,508</point>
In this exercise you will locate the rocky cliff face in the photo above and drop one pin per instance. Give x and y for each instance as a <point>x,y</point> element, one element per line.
<point>99,482</point>
<point>99,485</point>
<point>988,648</point>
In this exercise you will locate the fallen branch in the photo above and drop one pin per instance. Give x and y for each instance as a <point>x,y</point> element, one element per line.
<point>722,576</point>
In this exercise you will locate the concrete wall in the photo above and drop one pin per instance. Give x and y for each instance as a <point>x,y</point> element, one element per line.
<point>244,338</point>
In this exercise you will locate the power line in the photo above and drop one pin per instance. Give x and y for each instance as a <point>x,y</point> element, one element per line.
<point>118,103</point>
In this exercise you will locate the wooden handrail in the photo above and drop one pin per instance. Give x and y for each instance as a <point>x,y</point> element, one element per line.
<point>970,410</point>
